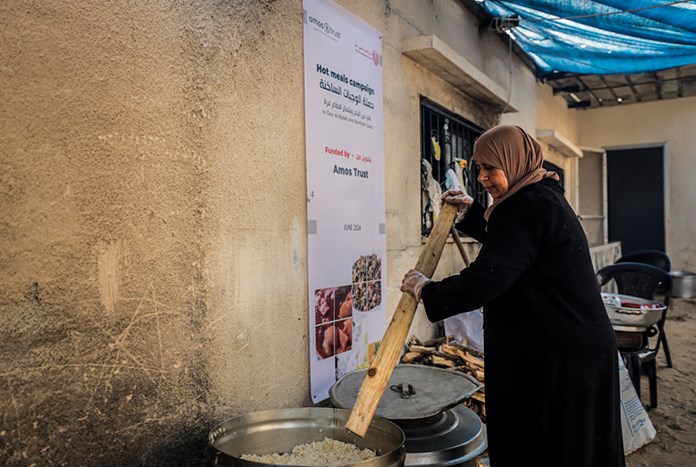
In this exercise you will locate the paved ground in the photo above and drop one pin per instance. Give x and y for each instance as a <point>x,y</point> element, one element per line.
<point>674,418</point>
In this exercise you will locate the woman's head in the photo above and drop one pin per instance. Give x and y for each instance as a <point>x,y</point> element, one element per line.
<point>508,159</point>
<point>493,179</point>
<point>509,149</point>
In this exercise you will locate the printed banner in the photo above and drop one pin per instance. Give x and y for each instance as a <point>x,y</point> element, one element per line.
<point>345,192</point>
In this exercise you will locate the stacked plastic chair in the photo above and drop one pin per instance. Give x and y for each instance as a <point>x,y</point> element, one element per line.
<point>658,259</point>
<point>648,282</point>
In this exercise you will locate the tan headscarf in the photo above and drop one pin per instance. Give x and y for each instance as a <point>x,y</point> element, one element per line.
<point>510,148</point>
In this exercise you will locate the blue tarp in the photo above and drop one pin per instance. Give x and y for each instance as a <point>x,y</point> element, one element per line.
<point>602,37</point>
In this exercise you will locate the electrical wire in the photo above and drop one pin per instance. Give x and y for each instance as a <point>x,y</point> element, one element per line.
<point>509,97</point>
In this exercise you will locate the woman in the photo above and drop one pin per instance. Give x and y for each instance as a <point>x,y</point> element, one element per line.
<point>552,378</point>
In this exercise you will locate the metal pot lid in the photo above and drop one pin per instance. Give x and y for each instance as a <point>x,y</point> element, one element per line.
<point>413,391</point>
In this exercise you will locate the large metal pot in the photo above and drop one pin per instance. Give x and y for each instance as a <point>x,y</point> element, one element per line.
<point>278,431</point>
<point>427,403</point>
<point>683,284</point>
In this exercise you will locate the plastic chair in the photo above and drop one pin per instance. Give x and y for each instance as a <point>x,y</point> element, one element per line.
<point>649,282</point>
<point>658,259</point>
<point>655,258</point>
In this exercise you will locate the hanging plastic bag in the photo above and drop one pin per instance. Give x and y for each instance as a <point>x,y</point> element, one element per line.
<point>636,427</point>
<point>467,329</point>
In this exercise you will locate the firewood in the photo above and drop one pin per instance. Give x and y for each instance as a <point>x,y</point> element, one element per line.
<point>469,358</point>
<point>476,374</point>
<point>441,361</point>
<point>433,351</point>
<point>465,369</point>
<point>448,356</point>
<point>473,352</point>
<point>422,349</point>
<point>450,350</point>
<point>447,353</point>
<point>415,341</point>
<point>437,341</point>
<point>411,357</point>
<point>477,362</point>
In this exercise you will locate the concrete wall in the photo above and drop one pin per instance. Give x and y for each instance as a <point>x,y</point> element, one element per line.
<point>152,225</point>
<point>668,122</point>
<point>153,216</point>
<point>405,82</point>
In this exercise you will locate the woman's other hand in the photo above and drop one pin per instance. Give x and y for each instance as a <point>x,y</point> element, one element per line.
<point>413,282</point>
<point>459,199</point>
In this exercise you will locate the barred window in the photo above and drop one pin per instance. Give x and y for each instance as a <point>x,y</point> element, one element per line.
<point>447,144</point>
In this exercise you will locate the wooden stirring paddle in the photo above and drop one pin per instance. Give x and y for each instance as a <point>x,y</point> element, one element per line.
<point>387,356</point>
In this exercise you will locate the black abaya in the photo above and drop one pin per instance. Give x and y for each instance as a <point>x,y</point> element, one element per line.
<point>552,379</point>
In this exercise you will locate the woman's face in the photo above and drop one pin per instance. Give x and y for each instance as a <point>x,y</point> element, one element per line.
<point>493,179</point>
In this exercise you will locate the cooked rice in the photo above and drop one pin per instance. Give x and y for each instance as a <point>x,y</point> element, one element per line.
<point>329,452</point>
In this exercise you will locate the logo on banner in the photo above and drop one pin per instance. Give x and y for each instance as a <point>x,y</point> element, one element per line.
<point>373,55</point>
<point>321,25</point>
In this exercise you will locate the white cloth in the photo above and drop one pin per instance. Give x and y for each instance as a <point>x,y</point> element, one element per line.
<point>433,188</point>
<point>460,176</point>
<point>467,329</point>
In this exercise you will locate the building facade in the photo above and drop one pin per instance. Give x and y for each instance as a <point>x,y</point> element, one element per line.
<point>153,205</point>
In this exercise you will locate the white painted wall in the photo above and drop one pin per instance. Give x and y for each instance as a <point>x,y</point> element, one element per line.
<point>670,122</point>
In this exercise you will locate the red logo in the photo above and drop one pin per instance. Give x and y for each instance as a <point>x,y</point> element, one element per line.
<point>375,57</point>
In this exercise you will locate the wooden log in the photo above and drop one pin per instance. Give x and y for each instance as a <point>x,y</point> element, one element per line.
<point>466,356</point>
<point>441,361</point>
<point>437,341</point>
<point>465,369</point>
<point>432,351</point>
<point>415,341</point>
<point>450,350</point>
<point>379,372</point>
<point>422,349</point>
<point>466,349</point>
<point>473,361</point>
<point>411,357</point>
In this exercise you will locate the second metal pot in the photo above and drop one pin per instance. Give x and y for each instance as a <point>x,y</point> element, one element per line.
<point>427,403</point>
<point>683,284</point>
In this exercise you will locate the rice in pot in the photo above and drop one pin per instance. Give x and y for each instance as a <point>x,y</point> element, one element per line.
<point>329,452</point>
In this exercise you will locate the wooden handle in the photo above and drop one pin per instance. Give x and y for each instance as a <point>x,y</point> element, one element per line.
<point>460,246</point>
<point>387,356</point>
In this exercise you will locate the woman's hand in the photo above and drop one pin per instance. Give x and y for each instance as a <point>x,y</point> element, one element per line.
<point>459,199</point>
<point>413,283</point>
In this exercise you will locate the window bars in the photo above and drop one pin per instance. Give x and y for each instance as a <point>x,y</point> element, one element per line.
<point>447,144</point>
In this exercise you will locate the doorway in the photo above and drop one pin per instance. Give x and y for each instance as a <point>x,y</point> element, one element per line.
<point>636,198</point>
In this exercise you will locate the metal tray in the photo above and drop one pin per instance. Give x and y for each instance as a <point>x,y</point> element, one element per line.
<point>619,315</point>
